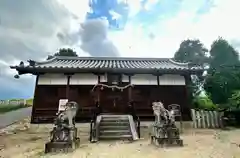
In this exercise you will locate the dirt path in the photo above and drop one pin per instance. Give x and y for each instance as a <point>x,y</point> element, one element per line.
<point>13,116</point>
<point>21,141</point>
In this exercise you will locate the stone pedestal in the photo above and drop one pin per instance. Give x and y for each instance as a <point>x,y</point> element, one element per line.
<point>165,132</point>
<point>166,136</point>
<point>65,145</point>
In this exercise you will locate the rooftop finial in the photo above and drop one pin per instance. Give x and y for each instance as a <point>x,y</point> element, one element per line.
<point>31,62</point>
<point>21,64</point>
<point>16,76</point>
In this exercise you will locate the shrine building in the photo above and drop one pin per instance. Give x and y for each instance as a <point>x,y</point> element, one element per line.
<point>110,84</point>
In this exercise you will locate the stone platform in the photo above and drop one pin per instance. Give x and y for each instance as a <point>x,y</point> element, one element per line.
<point>62,146</point>
<point>166,142</point>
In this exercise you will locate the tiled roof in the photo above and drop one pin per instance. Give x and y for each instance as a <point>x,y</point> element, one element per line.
<point>112,63</point>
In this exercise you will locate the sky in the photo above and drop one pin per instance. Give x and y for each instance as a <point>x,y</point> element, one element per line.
<point>33,29</point>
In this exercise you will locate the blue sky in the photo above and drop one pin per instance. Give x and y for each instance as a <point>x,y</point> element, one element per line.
<point>159,31</point>
<point>33,29</point>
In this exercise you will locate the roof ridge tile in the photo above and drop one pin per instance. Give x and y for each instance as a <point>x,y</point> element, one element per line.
<point>109,63</point>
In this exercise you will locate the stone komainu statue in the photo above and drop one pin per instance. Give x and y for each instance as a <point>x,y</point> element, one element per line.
<point>64,133</point>
<point>64,122</point>
<point>164,130</point>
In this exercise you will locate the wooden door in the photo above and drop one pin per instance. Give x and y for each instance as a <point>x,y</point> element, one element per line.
<point>113,101</point>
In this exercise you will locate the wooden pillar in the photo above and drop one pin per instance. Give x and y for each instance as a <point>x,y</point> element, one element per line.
<point>98,90</point>
<point>98,95</point>
<point>129,90</point>
<point>130,109</point>
<point>68,85</point>
<point>99,78</point>
<point>158,81</point>
<point>34,99</point>
<point>158,86</point>
<point>188,95</point>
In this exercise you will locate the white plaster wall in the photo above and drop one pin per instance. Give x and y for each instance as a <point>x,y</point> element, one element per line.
<point>52,79</point>
<point>125,78</point>
<point>144,79</point>
<point>172,80</point>
<point>83,79</point>
<point>103,78</point>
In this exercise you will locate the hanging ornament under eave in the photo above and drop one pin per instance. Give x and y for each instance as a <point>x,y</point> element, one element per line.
<point>112,89</point>
<point>102,88</point>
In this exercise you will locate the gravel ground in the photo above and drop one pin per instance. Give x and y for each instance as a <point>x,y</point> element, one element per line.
<point>22,141</point>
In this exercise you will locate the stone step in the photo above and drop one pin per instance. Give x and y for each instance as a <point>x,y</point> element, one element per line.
<point>115,137</point>
<point>114,124</point>
<point>114,117</point>
<point>114,132</point>
<point>114,127</point>
<point>115,121</point>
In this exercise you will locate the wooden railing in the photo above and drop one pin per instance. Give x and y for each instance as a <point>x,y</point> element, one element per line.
<point>136,118</point>
<point>93,129</point>
<point>138,127</point>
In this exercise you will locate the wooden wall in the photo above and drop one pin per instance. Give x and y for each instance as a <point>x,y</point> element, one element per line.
<point>143,97</point>
<point>45,104</point>
<point>47,97</point>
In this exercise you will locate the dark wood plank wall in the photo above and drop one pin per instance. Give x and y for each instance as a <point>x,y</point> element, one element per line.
<point>85,98</point>
<point>46,102</point>
<point>47,97</point>
<point>143,96</point>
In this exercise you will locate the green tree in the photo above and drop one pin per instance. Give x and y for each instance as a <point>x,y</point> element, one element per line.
<point>222,78</point>
<point>222,53</point>
<point>219,86</point>
<point>192,51</point>
<point>63,52</point>
<point>204,102</point>
<point>234,100</point>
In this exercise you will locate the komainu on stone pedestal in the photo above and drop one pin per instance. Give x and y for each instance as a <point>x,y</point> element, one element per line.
<point>164,132</point>
<point>63,137</point>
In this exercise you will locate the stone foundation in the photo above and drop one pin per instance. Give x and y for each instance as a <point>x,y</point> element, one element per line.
<point>62,146</point>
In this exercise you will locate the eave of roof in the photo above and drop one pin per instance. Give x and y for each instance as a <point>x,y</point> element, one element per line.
<point>106,64</point>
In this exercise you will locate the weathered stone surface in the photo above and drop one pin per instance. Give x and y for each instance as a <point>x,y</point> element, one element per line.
<point>64,134</point>
<point>164,130</point>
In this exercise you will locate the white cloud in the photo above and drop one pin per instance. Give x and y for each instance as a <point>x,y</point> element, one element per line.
<point>29,30</point>
<point>220,20</point>
<point>78,8</point>
<point>51,27</point>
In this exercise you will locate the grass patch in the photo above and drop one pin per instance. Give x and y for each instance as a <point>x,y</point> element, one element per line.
<point>29,101</point>
<point>7,108</point>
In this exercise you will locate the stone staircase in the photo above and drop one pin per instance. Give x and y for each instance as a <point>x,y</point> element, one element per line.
<point>117,127</point>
